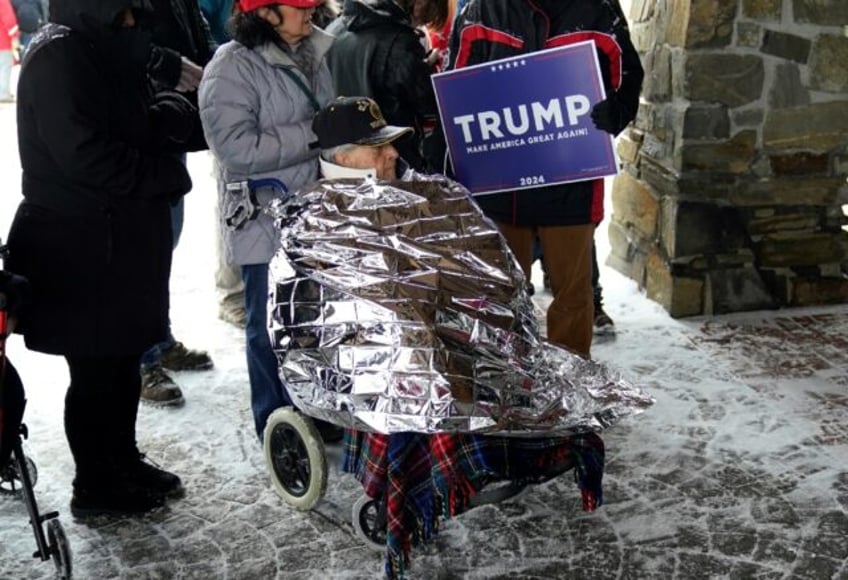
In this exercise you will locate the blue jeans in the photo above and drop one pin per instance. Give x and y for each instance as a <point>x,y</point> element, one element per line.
<point>266,389</point>
<point>154,354</point>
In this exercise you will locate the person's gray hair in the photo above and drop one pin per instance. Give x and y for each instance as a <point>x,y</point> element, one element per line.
<point>330,154</point>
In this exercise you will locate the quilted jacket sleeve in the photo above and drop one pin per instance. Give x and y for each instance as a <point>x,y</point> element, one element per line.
<point>232,93</point>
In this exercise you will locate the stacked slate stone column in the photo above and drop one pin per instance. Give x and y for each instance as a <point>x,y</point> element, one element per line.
<point>734,173</point>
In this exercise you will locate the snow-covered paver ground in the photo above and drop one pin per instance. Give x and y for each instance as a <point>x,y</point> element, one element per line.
<point>738,471</point>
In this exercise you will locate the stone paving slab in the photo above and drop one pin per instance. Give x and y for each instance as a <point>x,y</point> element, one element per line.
<point>737,472</point>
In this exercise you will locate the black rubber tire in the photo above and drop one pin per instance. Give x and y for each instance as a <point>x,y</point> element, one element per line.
<point>60,549</point>
<point>294,454</point>
<point>366,523</point>
<point>10,477</point>
<point>496,493</point>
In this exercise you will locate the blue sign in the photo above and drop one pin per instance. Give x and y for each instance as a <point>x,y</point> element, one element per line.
<point>524,121</point>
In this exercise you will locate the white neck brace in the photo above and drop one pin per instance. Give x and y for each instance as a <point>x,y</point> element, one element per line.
<point>332,171</point>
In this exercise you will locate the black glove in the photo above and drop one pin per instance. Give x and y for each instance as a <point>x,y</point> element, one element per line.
<point>164,67</point>
<point>608,116</point>
<point>174,117</point>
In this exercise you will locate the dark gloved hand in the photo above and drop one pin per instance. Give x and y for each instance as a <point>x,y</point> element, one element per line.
<point>174,117</point>
<point>608,116</point>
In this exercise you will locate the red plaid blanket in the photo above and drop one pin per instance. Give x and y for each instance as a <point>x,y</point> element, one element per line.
<point>424,477</point>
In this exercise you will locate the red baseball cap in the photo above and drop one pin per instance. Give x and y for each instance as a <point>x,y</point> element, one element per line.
<point>248,5</point>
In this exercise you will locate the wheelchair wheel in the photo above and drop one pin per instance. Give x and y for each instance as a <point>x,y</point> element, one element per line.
<point>10,476</point>
<point>369,522</point>
<point>60,550</point>
<point>496,493</point>
<point>295,457</point>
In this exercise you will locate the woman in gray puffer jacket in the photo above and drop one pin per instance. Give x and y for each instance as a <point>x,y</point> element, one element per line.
<point>257,99</point>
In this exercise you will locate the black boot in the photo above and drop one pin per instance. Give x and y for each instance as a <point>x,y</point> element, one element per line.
<point>136,467</point>
<point>99,422</point>
<point>110,494</point>
<point>146,474</point>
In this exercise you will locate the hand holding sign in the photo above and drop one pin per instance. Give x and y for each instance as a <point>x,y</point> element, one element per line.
<point>607,116</point>
<point>527,121</point>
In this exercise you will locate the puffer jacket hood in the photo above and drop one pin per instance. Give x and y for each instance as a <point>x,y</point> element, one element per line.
<point>125,50</point>
<point>363,14</point>
<point>88,17</point>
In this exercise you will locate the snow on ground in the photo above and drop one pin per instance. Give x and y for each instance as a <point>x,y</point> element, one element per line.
<point>737,472</point>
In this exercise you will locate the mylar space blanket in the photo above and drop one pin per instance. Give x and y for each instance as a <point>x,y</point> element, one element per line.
<point>398,307</point>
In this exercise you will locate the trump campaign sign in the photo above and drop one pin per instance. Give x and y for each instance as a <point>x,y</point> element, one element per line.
<point>524,121</point>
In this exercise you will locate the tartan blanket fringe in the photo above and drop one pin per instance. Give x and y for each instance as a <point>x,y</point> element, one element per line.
<point>426,478</point>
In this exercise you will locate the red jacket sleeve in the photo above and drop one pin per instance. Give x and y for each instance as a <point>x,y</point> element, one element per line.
<point>8,25</point>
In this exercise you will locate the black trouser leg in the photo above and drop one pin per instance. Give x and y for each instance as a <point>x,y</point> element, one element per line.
<point>597,291</point>
<point>126,407</point>
<point>100,413</point>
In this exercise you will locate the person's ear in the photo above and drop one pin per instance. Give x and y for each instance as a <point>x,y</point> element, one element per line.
<point>391,150</point>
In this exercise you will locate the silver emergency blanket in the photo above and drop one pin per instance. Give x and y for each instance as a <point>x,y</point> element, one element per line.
<point>399,307</point>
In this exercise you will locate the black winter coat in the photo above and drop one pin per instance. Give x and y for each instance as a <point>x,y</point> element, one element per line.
<point>178,29</point>
<point>378,54</point>
<point>488,30</point>
<point>93,234</point>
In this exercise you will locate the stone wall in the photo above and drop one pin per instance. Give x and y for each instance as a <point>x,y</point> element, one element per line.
<point>734,172</point>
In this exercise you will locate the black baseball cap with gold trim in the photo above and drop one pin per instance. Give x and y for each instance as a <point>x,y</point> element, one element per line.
<point>354,120</point>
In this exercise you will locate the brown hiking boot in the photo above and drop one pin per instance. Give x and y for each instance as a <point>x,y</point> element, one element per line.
<point>235,315</point>
<point>180,358</point>
<point>158,389</point>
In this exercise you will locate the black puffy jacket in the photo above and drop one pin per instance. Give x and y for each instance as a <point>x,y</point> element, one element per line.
<point>179,29</point>
<point>93,233</point>
<point>488,30</point>
<point>378,54</point>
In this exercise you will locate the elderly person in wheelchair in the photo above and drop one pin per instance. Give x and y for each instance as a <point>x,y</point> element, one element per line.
<point>398,312</point>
